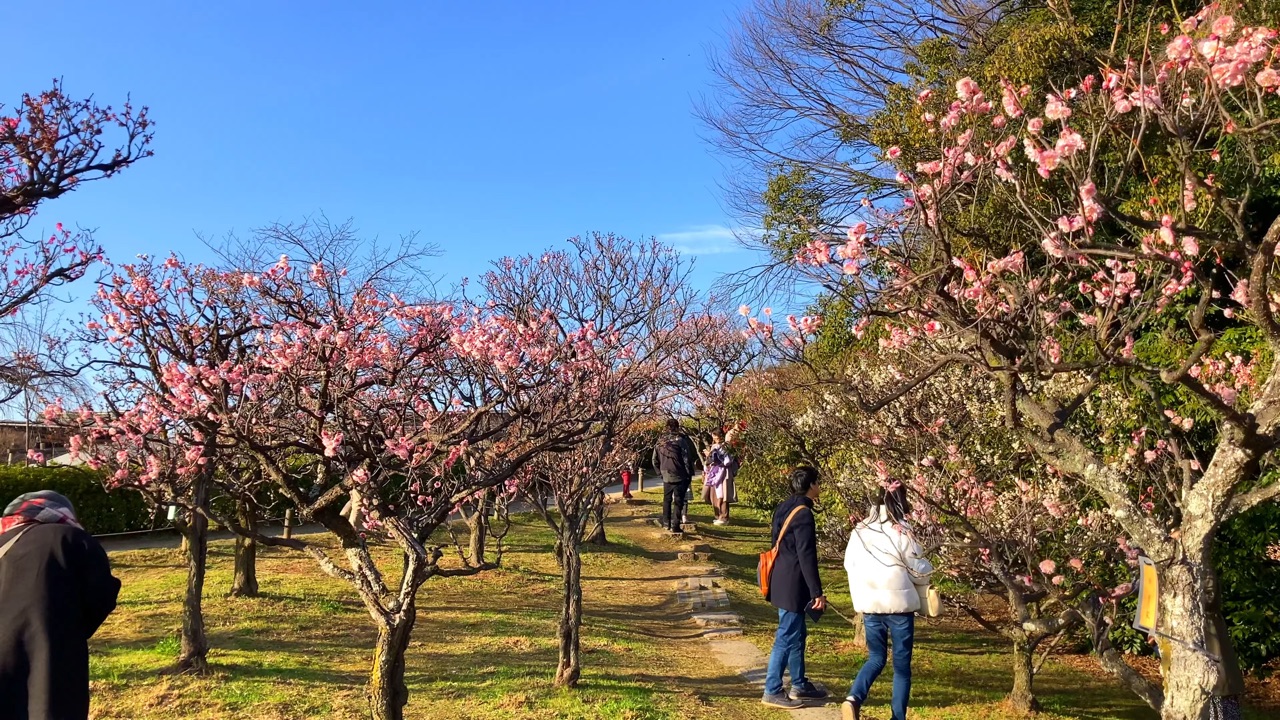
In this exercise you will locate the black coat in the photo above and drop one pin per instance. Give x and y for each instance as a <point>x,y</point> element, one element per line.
<point>56,588</point>
<point>795,582</point>
<point>680,466</point>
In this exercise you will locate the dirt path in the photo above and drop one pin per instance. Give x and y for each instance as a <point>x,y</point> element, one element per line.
<point>693,594</point>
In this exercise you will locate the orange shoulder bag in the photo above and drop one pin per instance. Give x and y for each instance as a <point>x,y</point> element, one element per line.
<point>765,569</point>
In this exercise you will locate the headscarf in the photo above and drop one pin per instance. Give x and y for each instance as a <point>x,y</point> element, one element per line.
<point>45,506</point>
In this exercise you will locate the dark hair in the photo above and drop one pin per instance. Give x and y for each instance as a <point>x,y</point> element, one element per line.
<point>896,503</point>
<point>803,478</point>
<point>717,435</point>
<point>673,425</point>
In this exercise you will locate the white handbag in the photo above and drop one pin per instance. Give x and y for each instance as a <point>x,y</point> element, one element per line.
<point>930,602</point>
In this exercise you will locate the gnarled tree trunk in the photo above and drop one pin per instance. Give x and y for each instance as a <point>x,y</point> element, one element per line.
<point>597,536</point>
<point>569,668</point>
<point>245,581</point>
<point>388,693</point>
<point>193,657</point>
<point>480,528</point>
<point>1192,674</point>
<point>1023,697</point>
<point>394,617</point>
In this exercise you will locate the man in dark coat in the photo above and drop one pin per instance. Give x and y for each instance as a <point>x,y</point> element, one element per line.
<point>794,588</point>
<point>674,457</point>
<point>56,588</point>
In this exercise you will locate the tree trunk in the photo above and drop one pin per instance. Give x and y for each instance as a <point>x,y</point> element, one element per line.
<point>569,668</point>
<point>195,645</point>
<point>388,693</point>
<point>184,547</point>
<point>245,582</point>
<point>597,534</point>
<point>1023,698</point>
<point>480,528</point>
<point>1191,677</point>
<point>859,631</point>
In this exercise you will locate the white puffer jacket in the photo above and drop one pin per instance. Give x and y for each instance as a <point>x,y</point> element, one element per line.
<point>886,571</point>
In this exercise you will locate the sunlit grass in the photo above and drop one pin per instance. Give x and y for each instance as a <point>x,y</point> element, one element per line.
<point>484,647</point>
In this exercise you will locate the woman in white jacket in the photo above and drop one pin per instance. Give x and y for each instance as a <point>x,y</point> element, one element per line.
<point>887,580</point>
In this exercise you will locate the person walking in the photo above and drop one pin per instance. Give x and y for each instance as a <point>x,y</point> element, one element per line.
<point>794,588</point>
<point>675,457</point>
<point>717,484</point>
<point>626,484</point>
<point>56,588</point>
<point>888,578</point>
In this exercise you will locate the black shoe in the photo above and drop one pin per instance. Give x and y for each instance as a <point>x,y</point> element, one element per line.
<point>808,691</point>
<point>781,701</point>
<point>850,710</point>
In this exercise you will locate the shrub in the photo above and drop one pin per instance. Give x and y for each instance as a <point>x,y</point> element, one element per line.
<point>99,511</point>
<point>1249,578</point>
<point>761,484</point>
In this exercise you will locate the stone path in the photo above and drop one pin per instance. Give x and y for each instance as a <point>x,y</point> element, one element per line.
<point>702,596</point>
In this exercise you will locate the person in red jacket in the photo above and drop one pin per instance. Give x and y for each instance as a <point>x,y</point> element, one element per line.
<point>626,484</point>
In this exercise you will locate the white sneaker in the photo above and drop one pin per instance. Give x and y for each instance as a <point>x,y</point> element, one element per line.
<point>719,522</point>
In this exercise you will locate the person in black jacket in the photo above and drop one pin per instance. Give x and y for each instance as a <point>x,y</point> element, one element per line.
<point>794,587</point>
<point>56,588</point>
<point>674,457</point>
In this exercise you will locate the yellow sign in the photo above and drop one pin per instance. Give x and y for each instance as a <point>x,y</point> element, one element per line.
<point>1146,617</point>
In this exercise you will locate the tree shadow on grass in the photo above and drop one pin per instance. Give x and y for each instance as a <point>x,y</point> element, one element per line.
<point>626,548</point>
<point>489,677</point>
<point>952,669</point>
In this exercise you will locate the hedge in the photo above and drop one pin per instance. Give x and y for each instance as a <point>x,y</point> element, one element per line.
<point>99,511</point>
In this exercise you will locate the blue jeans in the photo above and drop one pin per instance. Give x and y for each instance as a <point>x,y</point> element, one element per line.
<point>902,628</point>
<point>788,652</point>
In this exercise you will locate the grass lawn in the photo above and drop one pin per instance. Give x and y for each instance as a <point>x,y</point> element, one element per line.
<point>484,647</point>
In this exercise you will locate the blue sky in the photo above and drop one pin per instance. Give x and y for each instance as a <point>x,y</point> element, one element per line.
<point>490,128</point>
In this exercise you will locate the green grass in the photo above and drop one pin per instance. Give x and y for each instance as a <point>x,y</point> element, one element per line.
<point>484,646</point>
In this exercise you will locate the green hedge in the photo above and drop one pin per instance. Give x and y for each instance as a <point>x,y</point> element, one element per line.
<point>99,511</point>
<point>1249,579</point>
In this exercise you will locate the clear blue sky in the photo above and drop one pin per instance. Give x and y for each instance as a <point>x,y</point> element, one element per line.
<point>491,128</point>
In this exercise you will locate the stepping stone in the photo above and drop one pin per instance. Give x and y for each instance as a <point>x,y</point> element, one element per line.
<point>717,619</point>
<point>690,583</point>
<point>694,556</point>
<point>702,592</point>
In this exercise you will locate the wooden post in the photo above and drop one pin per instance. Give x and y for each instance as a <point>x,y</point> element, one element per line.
<point>288,523</point>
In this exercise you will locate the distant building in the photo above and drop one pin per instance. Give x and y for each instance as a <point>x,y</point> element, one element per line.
<point>49,440</point>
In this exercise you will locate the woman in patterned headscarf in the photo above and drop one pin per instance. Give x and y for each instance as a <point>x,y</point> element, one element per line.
<point>56,588</point>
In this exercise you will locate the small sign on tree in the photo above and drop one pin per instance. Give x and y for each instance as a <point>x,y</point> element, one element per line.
<point>1146,616</point>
